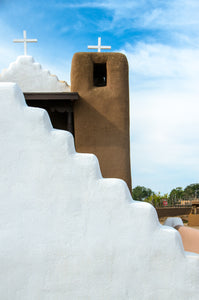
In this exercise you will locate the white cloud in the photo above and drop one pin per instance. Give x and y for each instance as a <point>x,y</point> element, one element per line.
<point>164,115</point>
<point>152,14</point>
<point>163,61</point>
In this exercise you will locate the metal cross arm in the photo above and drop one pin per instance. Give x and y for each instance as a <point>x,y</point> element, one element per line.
<point>25,41</point>
<point>99,46</point>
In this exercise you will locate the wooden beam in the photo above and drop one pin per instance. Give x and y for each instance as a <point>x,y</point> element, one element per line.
<point>173,211</point>
<point>52,96</point>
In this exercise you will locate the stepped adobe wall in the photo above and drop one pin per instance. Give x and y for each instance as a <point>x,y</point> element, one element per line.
<point>68,233</point>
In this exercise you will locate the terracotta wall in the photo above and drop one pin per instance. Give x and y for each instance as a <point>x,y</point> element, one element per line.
<point>101,115</point>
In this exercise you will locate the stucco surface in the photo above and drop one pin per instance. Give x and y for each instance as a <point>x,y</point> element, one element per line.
<point>68,233</point>
<point>101,116</point>
<point>30,76</point>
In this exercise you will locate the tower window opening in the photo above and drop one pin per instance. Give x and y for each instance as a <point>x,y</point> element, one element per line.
<point>99,75</point>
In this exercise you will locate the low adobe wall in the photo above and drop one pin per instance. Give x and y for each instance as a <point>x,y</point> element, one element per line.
<point>173,211</point>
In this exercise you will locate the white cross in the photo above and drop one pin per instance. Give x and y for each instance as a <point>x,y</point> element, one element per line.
<point>99,46</point>
<point>25,41</point>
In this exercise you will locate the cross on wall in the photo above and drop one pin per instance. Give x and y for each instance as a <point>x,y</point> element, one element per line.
<point>25,41</point>
<point>99,46</point>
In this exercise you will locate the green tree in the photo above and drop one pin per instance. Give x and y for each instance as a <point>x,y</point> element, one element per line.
<point>176,194</point>
<point>141,192</point>
<point>192,191</point>
<point>149,199</point>
<point>156,199</point>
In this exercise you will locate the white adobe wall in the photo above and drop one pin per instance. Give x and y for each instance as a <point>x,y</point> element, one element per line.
<point>31,77</point>
<point>67,233</point>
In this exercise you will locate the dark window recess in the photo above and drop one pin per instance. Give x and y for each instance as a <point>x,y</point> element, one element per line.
<point>99,75</point>
<point>62,120</point>
<point>58,105</point>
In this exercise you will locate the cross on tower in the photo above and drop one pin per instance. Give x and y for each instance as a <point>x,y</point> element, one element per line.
<point>99,46</point>
<point>25,41</point>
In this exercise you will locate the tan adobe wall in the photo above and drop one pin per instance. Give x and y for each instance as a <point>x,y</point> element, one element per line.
<point>101,116</point>
<point>193,220</point>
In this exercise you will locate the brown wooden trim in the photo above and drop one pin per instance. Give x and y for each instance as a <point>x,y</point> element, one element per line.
<point>173,211</point>
<point>52,96</point>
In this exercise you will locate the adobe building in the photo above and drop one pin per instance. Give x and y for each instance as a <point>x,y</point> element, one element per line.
<point>95,110</point>
<point>57,211</point>
<point>101,115</point>
<point>193,217</point>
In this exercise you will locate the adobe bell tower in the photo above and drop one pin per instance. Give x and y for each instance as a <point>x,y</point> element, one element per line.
<point>101,115</point>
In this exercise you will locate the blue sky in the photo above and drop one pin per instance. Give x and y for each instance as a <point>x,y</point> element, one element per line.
<point>161,42</point>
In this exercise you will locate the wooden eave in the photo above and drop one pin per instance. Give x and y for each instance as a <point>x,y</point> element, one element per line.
<point>52,96</point>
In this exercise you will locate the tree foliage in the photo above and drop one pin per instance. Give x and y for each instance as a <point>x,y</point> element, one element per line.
<point>192,191</point>
<point>141,192</point>
<point>157,199</point>
<point>176,194</point>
